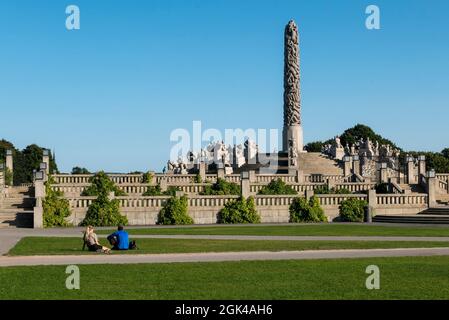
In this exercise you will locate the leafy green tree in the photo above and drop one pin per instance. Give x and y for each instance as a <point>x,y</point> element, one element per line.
<point>240,210</point>
<point>103,211</point>
<point>79,170</point>
<point>175,211</point>
<point>198,178</point>
<point>302,210</point>
<point>222,187</point>
<point>153,191</point>
<point>100,183</point>
<point>315,146</point>
<point>277,187</point>
<point>56,209</point>
<point>147,177</point>
<point>8,177</point>
<point>352,210</point>
<point>445,153</point>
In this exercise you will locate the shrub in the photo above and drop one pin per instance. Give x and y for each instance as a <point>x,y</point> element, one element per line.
<point>324,189</point>
<point>277,187</point>
<point>8,177</point>
<point>175,211</point>
<point>147,177</point>
<point>352,210</point>
<point>55,208</point>
<point>104,212</point>
<point>222,187</point>
<point>239,211</point>
<point>302,210</point>
<point>198,179</point>
<point>102,184</point>
<point>153,191</point>
<point>171,191</point>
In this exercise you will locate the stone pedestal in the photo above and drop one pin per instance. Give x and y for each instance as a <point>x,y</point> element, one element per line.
<point>220,171</point>
<point>293,133</point>
<point>411,172</point>
<point>46,160</point>
<point>202,170</point>
<point>309,194</point>
<point>300,176</point>
<point>252,176</point>
<point>9,162</point>
<point>432,188</point>
<point>421,165</point>
<point>356,166</point>
<point>163,184</point>
<point>383,173</point>
<point>347,166</point>
<point>245,185</point>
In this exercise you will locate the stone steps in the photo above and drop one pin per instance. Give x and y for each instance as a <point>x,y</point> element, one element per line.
<point>436,211</point>
<point>317,163</point>
<point>421,219</point>
<point>22,219</point>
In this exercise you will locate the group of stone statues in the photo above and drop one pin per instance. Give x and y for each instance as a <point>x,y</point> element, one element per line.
<point>362,148</point>
<point>216,152</point>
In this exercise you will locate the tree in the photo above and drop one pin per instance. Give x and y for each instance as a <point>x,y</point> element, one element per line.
<point>222,187</point>
<point>315,146</point>
<point>277,187</point>
<point>302,210</point>
<point>352,210</point>
<point>79,170</point>
<point>175,211</point>
<point>56,209</point>
<point>100,183</point>
<point>103,211</point>
<point>240,210</point>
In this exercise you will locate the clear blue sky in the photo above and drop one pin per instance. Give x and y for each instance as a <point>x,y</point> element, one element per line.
<point>107,96</point>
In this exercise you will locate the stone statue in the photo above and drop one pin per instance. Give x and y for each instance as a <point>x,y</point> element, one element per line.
<point>291,76</point>
<point>293,153</point>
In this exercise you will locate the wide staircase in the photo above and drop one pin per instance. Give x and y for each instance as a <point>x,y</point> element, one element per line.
<point>16,209</point>
<point>315,162</point>
<point>434,215</point>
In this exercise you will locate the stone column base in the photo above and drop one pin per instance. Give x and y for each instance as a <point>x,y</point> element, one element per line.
<point>293,132</point>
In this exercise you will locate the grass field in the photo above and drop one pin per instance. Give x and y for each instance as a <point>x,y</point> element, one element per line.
<point>298,230</point>
<point>71,246</point>
<point>400,278</point>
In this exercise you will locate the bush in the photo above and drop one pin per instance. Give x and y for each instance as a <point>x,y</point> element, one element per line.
<point>324,189</point>
<point>147,177</point>
<point>198,179</point>
<point>104,212</point>
<point>239,211</point>
<point>302,210</point>
<point>55,208</point>
<point>222,187</point>
<point>153,191</point>
<point>8,177</point>
<point>102,184</point>
<point>277,187</point>
<point>352,210</point>
<point>175,211</point>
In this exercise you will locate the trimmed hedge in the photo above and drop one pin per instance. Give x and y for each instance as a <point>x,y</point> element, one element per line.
<point>352,210</point>
<point>175,211</point>
<point>240,210</point>
<point>302,210</point>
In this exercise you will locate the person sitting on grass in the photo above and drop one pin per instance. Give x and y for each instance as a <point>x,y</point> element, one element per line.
<point>120,240</point>
<point>91,241</point>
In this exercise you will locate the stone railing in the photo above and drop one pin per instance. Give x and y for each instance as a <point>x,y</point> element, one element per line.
<point>84,178</point>
<point>265,178</point>
<point>355,187</point>
<point>401,200</point>
<point>443,186</point>
<point>443,176</point>
<point>299,188</point>
<point>334,200</point>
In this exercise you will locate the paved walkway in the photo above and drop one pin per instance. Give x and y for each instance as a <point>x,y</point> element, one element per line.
<point>216,257</point>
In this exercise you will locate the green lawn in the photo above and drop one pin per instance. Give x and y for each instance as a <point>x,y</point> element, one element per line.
<point>299,230</point>
<point>70,246</point>
<point>400,278</point>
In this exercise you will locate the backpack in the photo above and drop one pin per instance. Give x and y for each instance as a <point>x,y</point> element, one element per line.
<point>132,245</point>
<point>113,240</point>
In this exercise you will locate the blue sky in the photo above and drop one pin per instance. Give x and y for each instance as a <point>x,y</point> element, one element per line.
<point>108,95</point>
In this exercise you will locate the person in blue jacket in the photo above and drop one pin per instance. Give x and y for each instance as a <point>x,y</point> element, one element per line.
<point>119,239</point>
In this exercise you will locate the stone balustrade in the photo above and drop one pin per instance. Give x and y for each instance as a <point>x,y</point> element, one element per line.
<point>401,200</point>
<point>443,177</point>
<point>334,200</point>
